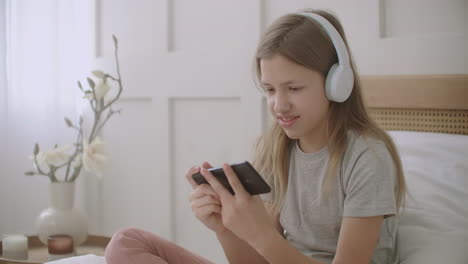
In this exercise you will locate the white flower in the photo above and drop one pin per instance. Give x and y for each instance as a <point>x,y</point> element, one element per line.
<point>89,95</point>
<point>41,163</point>
<point>54,157</point>
<point>101,90</point>
<point>77,161</point>
<point>94,156</point>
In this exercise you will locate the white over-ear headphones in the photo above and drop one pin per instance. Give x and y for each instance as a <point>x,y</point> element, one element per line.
<point>339,81</point>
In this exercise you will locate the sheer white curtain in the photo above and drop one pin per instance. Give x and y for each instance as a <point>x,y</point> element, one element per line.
<point>2,78</point>
<point>47,51</point>
<point>3,106</point>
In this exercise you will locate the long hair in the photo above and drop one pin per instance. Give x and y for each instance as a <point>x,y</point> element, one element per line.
<point>303,41</point>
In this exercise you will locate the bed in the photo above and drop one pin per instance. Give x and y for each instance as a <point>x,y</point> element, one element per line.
<point>427,116</point>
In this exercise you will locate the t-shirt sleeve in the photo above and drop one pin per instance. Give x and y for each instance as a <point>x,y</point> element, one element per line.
<point>370,185</point>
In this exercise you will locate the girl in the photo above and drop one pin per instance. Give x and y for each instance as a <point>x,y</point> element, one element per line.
<point>336,177</point>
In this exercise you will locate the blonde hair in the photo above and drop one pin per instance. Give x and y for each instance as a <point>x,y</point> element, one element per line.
<point>302,41</point>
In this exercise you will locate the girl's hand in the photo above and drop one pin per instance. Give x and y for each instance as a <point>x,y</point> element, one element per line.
<point>243,214</point>
<point>205,202</point>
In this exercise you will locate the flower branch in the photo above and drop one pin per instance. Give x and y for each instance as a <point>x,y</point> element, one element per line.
<point>89,153</point>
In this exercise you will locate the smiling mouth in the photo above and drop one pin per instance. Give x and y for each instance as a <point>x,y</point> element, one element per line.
<point>287,121</point>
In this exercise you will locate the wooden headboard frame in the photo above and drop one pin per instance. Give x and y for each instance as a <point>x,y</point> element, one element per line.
<point>425,103</point>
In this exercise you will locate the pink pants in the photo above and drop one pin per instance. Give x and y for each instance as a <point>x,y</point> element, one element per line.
<point>137,246</point>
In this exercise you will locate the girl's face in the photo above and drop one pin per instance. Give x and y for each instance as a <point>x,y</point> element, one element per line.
<point>296,99</point>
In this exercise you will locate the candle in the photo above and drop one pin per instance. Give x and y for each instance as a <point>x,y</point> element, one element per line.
<point>15,247</point>
<point>60,246</point>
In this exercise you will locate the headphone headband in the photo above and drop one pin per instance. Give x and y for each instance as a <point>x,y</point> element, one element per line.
<point>339,81</point>
<point>337,40</point>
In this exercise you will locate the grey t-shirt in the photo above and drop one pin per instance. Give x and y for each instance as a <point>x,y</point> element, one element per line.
<point>364,187</point>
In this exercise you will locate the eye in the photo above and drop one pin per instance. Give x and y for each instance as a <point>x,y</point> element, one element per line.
<point>295,89</point>
<point>269,90</point>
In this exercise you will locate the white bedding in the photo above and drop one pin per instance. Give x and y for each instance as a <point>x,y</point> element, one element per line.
<point>434,225</point>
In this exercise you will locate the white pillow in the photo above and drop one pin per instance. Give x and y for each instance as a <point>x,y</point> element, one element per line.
<point>434,224</point>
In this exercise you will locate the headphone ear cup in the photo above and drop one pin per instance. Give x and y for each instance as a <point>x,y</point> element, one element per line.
<point>329,83</point>
<point>339,83</point>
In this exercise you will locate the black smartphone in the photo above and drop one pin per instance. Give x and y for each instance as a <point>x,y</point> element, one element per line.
<point>248,176</point>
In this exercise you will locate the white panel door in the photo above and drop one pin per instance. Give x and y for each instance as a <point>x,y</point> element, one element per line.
<point>189,97</point>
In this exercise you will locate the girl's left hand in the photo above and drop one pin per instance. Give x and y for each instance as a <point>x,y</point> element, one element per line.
<point>245,215</point>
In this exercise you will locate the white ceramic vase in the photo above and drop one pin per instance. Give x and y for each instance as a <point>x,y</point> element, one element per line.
<point>61,217</point>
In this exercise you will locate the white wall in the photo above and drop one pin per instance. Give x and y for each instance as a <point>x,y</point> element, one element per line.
<point>390,37</point>
<point>189,97</point>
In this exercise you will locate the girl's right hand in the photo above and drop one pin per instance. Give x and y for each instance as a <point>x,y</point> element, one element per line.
<point>205,202</point>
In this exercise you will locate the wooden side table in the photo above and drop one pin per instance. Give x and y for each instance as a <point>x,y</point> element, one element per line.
<point>38,253</point>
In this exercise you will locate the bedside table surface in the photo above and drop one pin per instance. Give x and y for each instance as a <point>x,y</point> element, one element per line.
<point>38,253</point>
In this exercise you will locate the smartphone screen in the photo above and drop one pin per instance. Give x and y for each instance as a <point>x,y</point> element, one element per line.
<point>252,181</point>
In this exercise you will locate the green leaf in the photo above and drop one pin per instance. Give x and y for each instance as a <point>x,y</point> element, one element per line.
<point>98,74</point>
<point>76,171</point>
<point>30,173</point>
<point>68,122</point>
<point>115,40</point>
<point>80,86</point>
<point>91,82</point>
<point>36,149</point>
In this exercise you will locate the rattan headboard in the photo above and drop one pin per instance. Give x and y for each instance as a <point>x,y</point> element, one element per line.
<point>432,103</point>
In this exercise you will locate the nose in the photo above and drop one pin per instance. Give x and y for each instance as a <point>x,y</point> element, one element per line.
<point>281,103</point>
